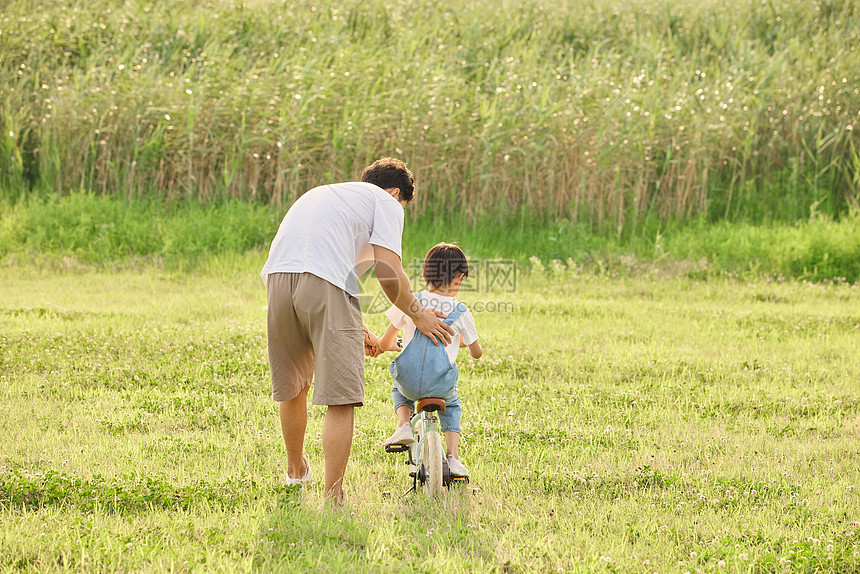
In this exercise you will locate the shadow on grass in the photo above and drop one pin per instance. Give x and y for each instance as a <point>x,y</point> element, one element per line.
<point>444,531</point>
<point>300,536</point>
<point>413,533</point>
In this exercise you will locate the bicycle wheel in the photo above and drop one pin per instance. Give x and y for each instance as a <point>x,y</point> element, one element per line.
<point>432,459</point>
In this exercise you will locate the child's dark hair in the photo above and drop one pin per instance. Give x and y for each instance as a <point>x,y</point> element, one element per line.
<point>444,262</point>
<point>388,172</point>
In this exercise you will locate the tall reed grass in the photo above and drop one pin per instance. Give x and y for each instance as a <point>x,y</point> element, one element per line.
<point>609,112</point>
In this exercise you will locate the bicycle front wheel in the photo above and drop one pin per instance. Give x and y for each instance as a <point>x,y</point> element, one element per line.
<point>433,457</point>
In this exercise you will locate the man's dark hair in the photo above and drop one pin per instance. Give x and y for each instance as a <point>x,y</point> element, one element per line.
<point>388,172</point>
<point>444,262</point>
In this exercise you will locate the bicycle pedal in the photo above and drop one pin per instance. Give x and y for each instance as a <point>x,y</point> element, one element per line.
<point>396,447</point>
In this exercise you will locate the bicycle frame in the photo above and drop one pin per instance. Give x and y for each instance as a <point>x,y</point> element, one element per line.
<point>423,424</point>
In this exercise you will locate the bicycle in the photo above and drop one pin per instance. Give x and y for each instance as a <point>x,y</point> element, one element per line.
<point>426,458</point>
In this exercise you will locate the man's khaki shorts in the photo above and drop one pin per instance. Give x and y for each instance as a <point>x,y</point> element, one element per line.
<point>315,332</point>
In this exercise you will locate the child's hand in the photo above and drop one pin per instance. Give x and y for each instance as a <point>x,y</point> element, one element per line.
<point>388,341</point>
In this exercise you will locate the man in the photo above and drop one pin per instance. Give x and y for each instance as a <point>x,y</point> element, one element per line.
<point>328,238</point>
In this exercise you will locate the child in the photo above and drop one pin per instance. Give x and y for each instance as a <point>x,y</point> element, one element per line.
<point>445,267</point>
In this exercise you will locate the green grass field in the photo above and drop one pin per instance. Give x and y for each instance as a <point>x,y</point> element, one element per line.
<point>638,424</point>
<point>84,230</point>
<point>671,385</point>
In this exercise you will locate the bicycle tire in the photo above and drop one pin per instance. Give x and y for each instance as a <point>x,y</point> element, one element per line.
<point>433,457</point>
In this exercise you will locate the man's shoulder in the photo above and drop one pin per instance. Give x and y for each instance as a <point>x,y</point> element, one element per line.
<point>353,198</point>
<point>353,186</point>
<point>375,194</point>
<point>363,185</point>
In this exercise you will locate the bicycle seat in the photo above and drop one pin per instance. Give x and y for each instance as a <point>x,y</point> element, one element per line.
<point>430,404</point>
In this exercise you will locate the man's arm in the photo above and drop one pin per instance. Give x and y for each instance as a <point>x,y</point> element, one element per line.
<point>395,285</point>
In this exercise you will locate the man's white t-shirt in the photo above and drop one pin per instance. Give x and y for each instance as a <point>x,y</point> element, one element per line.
<point>462,325</point>
<point>330,230</point>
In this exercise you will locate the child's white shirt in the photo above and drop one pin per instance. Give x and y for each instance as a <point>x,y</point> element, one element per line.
<point>462,325</point>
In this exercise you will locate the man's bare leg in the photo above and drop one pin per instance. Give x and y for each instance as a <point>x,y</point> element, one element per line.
<point>294,420</point>
<point>337,442</point>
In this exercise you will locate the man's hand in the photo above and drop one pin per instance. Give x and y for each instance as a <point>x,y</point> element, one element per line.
<point>428,322</point>
<point>395,285</point>
<point>371,344</point>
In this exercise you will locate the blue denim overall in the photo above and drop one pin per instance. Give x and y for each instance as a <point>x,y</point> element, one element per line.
<point>424,370</point>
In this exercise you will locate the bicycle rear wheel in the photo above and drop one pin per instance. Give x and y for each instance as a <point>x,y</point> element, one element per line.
<point>432,460</point>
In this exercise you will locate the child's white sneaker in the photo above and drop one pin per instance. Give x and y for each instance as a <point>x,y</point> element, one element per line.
<point>456,467</point>
<point>403,435</point>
